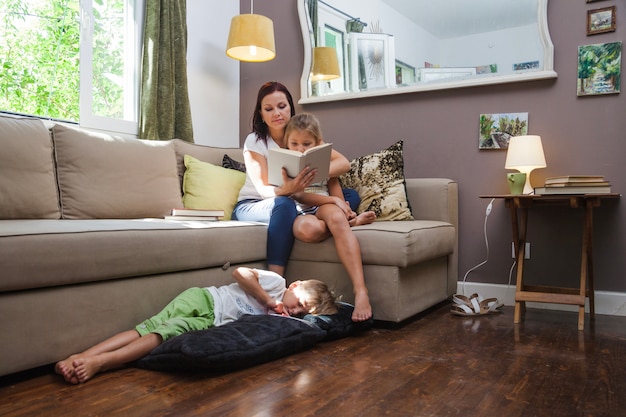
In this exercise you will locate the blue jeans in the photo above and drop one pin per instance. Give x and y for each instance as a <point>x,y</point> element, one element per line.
<point>279,213</point>
<point>352,197</point>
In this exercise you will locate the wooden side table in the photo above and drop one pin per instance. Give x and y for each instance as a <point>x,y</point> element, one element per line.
<point>545,294</point>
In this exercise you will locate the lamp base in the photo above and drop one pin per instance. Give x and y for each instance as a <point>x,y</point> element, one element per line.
<point>528,189</point>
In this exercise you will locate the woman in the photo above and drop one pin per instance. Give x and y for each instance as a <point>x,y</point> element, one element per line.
<point>258,200</point>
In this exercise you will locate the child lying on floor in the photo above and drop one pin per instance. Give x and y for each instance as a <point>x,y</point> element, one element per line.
<point>255,291</point>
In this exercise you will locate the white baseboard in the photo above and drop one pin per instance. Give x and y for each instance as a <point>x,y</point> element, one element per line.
<point>609,303</point>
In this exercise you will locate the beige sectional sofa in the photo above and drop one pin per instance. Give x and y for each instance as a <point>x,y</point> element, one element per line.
<point>85,251</point>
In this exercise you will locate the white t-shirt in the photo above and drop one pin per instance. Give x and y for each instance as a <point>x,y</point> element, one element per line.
<point>249,191</point>
<point>231,302</point>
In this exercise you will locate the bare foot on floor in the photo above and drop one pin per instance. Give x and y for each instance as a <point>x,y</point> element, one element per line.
<point>66,370</point>
<point>366,217</point>
<point>86,368</point>
<point>362,308</point>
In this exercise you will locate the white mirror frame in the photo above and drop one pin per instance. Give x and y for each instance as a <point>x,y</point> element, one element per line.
<point>546,73</point>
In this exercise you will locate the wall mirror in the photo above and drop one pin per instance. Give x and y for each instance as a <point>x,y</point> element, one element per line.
<point>402,46</point>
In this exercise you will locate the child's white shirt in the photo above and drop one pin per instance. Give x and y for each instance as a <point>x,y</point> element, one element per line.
<point>231,301</point>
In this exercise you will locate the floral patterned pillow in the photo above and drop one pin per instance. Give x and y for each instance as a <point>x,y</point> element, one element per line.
<point>379,180</point>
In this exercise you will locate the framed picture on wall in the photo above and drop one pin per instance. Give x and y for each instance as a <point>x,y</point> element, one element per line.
<point>601,20</point>
<point>599,69</point>
<point>497,129</point>
<point>372,61</point>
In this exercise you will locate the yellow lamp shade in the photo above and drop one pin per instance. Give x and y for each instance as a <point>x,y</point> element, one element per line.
<point>325,64</point>
<point>251,38</point>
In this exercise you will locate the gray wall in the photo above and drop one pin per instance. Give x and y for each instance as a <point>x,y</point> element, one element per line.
<point>440,132</point>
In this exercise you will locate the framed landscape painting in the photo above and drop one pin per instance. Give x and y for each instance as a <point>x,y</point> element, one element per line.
<point>497,129</point>
<point>599,69</point>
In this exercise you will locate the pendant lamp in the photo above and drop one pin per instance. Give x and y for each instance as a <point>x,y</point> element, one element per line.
<point>251,38</point>
<point>325,64</point>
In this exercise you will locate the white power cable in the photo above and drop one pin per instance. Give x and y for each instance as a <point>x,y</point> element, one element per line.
<point>487,212</point>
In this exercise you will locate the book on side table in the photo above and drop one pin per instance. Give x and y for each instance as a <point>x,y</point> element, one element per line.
<point>195,214</point>
<point>316,158</point>
<point>575,184</point>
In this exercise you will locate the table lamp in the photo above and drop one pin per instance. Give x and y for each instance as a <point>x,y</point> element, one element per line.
<point>525,154</point>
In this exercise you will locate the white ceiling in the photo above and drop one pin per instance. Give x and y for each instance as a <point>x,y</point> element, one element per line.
<point>453,18</point>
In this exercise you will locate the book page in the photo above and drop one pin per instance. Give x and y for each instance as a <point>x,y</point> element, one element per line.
<point>316,158</point>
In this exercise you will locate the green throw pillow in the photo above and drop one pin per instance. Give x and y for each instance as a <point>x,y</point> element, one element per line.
<point>379,180</point>
<point>211,187</point>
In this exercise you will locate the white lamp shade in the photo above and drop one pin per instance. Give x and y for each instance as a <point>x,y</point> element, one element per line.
<point>325,64</point>
<point>251,38</point>
<point>525,153</point>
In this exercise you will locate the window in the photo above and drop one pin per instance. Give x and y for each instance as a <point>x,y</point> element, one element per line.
<point>72,60</point>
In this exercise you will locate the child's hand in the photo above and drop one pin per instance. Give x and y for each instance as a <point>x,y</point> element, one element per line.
<point>279,308</point>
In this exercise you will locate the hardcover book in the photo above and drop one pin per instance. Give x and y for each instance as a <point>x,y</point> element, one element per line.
<point>573,190</point>
<point>564,179</point>
<point>317,158</point>
<point>196,212</point>
<point>190,218</point>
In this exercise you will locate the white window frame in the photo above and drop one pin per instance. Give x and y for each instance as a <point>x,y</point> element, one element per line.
<point>132,71</point>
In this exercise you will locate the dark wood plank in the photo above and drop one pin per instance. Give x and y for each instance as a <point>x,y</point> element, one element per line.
<point>437,365</point>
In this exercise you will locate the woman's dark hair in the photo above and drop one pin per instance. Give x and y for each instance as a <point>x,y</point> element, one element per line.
<point>270,87</point>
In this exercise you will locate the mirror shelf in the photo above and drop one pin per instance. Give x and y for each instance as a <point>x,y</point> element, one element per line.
<point>309,96</point>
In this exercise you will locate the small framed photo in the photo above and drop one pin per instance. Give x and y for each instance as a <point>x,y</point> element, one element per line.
<point>601,20</point>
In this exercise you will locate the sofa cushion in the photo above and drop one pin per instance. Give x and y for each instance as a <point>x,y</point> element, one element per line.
<point>211,187</point>
<point>36,253</point>
<point>27,181</point>
<point>203,153</point>
<point>379,180</point>
<point>102,176</point>
<point>230,163</point>
<point>399,244</point>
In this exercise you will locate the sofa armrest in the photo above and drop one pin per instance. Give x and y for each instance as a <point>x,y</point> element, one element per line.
<point>437,199</point>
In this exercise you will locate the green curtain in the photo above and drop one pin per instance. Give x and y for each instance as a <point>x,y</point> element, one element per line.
<point>165,112</point>
<point>313,16</point>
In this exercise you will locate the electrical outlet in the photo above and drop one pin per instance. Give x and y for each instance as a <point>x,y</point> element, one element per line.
<point>526,251</point>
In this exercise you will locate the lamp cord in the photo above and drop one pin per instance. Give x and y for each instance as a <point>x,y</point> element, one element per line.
<point>487,212</point>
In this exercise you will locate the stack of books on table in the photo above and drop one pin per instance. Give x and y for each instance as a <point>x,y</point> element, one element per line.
<point>575,184</point>
<point>195,214</point>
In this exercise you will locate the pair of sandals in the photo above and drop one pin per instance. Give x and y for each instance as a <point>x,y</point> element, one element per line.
<point>474,305</point>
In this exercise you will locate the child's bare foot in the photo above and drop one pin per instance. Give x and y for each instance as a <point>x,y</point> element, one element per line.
<point>66,370</point>
<point>366,217</point>
<point>86,368</point>
<point>362,308</point>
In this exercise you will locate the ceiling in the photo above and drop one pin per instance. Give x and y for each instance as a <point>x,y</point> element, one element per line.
<point>453,18</point>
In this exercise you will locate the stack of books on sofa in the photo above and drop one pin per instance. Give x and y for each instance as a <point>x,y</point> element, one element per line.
<point>575,184</point>
<point>195,214</point>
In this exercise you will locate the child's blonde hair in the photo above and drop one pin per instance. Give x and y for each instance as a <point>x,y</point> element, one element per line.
<point>319,296</point>
<point>305,122</point>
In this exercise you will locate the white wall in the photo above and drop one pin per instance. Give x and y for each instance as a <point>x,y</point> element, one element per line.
<point>213,76</point>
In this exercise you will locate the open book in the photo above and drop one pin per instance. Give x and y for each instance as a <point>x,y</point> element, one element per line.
<point>294,161</point>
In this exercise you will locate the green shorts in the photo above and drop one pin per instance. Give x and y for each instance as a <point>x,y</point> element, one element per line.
<point>190,310</point>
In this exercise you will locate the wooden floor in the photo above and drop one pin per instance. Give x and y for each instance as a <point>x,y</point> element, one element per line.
<point>438,365</point>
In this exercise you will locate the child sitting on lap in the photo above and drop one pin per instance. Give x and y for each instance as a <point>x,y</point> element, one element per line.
<point>255,292</point>
<point>325,202</point>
